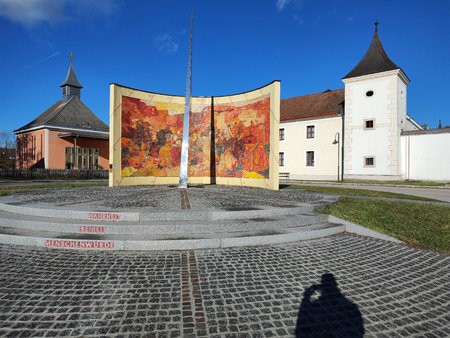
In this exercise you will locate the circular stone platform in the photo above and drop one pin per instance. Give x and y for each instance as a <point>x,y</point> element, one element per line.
<point>156,198</point>
<point>162,217</point>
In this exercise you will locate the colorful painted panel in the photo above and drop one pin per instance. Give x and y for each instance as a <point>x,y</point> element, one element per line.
<point>152,135</point>
<point>233,139</point>
<point>243,139</point>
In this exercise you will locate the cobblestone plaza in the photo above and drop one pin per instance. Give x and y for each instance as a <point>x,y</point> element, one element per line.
<point>243,292</point>
<point>339,285</point>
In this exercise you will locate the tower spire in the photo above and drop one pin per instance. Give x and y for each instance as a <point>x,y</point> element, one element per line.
<point>71,86</point>
<point>375,60</point>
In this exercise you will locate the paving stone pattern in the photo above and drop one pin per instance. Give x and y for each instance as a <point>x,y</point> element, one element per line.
<point>166,197</point>
<point>391,289</point>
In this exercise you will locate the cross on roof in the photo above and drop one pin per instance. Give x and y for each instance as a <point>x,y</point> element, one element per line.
<point>71,57</point>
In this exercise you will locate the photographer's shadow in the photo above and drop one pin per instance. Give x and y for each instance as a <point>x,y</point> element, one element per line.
<point>325,312</point>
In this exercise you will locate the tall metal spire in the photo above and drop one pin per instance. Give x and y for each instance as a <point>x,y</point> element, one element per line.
<point>187,108</point>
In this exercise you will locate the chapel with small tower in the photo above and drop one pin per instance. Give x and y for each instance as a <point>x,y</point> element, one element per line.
<point>68,135</point>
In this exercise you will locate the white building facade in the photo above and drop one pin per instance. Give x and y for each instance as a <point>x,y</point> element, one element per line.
<point>361,132</point>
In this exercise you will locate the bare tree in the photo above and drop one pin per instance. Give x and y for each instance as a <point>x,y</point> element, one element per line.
<point>7,150</point>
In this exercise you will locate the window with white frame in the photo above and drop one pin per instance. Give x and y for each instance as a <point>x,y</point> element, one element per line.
<point>281,159</point>
<point>310,131</point>
<point>369,124</point>
<point>369,161</point>
<point>310,158</point>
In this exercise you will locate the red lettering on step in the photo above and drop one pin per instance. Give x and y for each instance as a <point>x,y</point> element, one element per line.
<point>91,228</point>
<point>75,244</point>
<point>103,216</point>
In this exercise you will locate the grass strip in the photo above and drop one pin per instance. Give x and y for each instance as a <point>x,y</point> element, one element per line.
<point>422,225</point>
<point>358,192</point>
<point>22,188</point>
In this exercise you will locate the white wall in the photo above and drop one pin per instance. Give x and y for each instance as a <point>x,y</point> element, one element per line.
<point>295,145</point>
<point>426,157</point>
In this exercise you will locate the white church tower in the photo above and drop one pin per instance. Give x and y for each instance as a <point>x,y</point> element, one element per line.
<point>375,116</point>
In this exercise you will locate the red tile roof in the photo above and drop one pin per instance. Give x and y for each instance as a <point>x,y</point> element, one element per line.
<point>312,106</point>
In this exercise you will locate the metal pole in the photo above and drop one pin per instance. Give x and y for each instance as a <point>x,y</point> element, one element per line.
<point>337,141</point>
<point>187,108</point>
<point>338,157</point>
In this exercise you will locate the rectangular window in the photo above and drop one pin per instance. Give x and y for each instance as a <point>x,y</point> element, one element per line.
<point>310,132</point>
<point>281,134</point>
<point>87,158</point>
<point>310,158</point>
<point>369,161</point>
<point>369,124</point>
<point>281,159</point>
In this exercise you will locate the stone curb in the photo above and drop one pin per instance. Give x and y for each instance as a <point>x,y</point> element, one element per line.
<point>360,230</point>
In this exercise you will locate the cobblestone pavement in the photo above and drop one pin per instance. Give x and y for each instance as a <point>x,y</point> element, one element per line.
<point>166,197</point>
<point>342,284</point>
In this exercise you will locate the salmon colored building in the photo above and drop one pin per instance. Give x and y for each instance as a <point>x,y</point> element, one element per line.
<point>68,135</point>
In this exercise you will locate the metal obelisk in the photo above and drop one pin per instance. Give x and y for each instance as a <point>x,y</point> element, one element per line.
<point>187,108</point>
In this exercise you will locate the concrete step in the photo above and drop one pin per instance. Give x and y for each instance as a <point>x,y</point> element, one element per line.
<point>173,241</point>
<point>63,228</point>
<point>26,222</point>
<point>172,215</point>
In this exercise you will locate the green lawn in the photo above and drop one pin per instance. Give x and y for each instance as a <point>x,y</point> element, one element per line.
<point>422,225</point>
<point>357,192</point>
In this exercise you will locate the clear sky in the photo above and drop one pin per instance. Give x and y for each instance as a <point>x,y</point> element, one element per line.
<point>238,45</point>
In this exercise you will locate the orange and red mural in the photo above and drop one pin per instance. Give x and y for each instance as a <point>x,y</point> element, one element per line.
<point>152,136</point>
<point>151,139</point>
<point>232,139</point>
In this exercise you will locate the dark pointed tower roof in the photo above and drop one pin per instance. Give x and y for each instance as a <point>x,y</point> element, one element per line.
<point>71,79</point>
<point>374,61</point>
<point>71,86</point>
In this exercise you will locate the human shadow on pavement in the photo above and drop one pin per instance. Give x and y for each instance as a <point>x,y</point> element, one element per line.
<point>325,312</point>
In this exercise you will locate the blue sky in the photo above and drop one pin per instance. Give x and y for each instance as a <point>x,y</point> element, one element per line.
<point>238,45</point>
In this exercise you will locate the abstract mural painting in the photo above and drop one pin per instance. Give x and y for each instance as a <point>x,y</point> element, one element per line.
<point>243,139</point>
<point>232,139</point>
<point>151,140</point>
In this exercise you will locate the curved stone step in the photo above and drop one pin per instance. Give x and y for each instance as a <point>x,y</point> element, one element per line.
<point>8,220</point>
<point>64,226</point>
<point>180,215</point>
<point>117,242</point>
